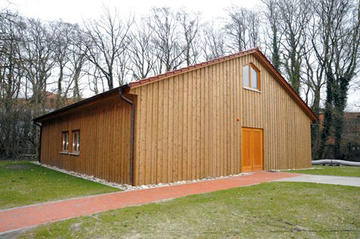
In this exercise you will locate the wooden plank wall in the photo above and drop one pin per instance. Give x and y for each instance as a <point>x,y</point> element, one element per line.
<point>104,140</point>
<point>187,128</point>
<point>287,140</point>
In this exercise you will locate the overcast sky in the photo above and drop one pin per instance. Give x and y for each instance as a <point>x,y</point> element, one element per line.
<point>76,11</point>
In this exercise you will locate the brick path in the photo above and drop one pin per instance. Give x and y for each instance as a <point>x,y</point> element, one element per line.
<point>33,215</point>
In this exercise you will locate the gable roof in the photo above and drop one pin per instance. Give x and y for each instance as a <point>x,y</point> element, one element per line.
<point>254,51</point>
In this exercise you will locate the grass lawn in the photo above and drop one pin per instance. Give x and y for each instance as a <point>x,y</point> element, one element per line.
<point>331,170</point>
<point>23,183</point>
<point>268,210</point>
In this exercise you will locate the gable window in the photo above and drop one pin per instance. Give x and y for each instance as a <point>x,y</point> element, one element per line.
<point>65,141</point>
<point>251,77</point>
<point>76,141</point>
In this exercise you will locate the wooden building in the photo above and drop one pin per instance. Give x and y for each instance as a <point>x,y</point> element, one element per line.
<point>221,117</point>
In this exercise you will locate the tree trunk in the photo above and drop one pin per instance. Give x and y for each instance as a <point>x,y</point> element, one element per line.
<point>327,116</point>
<point>339,103</point>
<point>315,127</point>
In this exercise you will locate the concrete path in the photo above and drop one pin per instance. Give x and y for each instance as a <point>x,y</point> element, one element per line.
<point>325,179</point>
<point>33,215</point>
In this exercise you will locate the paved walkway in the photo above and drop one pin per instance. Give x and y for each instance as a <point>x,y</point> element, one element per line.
<point>325,179</point>
<point>33,215</point>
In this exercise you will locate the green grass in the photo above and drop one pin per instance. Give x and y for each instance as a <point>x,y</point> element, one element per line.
<point>331,170</point>
<point>268,210</point>
<point>23,183</point>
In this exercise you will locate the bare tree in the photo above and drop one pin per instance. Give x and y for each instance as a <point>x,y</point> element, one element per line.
<point>190,29</point>
<point>141,52</point>
<point>313,84</point>
<point>95,79</point>
<point>122,69</point>
<point>78,60</point>
<point>295,16</point>
<point>14,113</point>
<point>242,29</point>
<point>11,71</point>
<point>107,40</point>
<point>272,15</point>
<point>38,56</point>
<point>61,44</point>
<point>166,40</point>
<point>213,43</point>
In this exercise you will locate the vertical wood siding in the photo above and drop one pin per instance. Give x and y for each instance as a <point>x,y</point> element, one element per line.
<point>104,140</point>
<point>187,128</point>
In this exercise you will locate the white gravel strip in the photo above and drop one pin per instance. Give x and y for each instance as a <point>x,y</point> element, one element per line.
<point>127,187</point>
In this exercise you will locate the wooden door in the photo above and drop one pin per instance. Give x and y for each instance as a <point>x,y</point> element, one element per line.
<point>251,149</point>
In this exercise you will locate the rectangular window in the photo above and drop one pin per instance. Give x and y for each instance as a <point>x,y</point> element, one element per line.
<point>254,78</point>
<point>246,76</point>
<point>65,141</point>
<point>76,141</point>
<point>251,77</point>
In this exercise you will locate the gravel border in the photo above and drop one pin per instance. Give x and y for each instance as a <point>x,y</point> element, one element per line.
<point>127,187</point>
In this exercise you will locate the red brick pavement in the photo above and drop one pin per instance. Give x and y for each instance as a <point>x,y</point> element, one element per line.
<point>33,215</point>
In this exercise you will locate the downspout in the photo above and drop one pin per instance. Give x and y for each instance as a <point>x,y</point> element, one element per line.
<point>122,90</point>
<point>39,146</point>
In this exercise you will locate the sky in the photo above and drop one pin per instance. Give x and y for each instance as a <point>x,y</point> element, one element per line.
<point>77,11</point>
